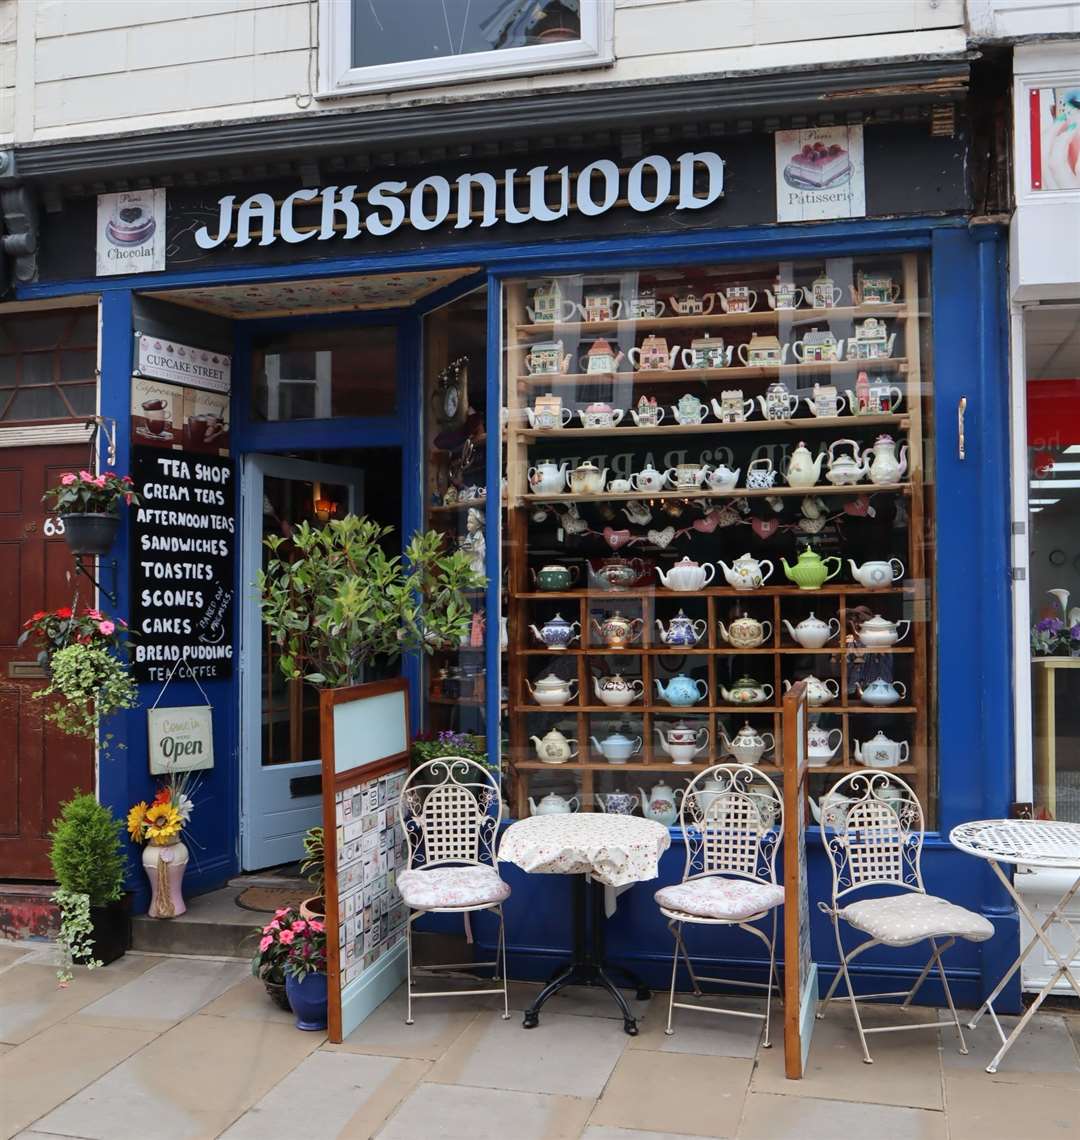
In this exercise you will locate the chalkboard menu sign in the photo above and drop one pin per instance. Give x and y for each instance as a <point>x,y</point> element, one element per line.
<point>183,545</point>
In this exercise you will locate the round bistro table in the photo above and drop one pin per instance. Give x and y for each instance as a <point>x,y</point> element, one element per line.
<point>599,851</point>
<point>1028,843</point>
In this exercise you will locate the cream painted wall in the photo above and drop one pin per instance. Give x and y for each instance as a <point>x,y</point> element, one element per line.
<point>72,68</point>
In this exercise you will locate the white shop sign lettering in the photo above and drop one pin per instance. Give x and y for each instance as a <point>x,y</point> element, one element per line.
<point>435,200</point>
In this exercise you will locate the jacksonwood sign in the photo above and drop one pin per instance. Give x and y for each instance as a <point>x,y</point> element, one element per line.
<point>694,180</point>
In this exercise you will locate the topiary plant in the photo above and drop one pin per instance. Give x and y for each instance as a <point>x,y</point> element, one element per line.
<point>87,855</point>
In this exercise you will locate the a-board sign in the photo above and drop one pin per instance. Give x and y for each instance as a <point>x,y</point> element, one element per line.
<point>364,732</point>
<point>800,970</point>
<point>183,549</point>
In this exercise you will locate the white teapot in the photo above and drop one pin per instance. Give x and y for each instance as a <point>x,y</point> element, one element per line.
<point>617,747</point>
<point>845,470</point>
<point>881,752</point>
<point>554,748</point>
<point>745,632</point>
<point>681,742</point>
<point>548,477</point>
<point>588,479</point>
<point>803,470</point>
<point>552,804</point>
<point>887,466</point>
<point>617,691</point>
<point>818,692</point>
<point>748,745</point>
<point>832,811</point>
<point>551,690</point>
<point>877,575</point>
<point>882,693</point>
<point>648,479</point>
<point>812,632</point>
<point>747,573</point>
<point>686,574</point>
<point>879,633</point>
<point>661,803</point>
<point>722,478</point>
<point>819,745</point>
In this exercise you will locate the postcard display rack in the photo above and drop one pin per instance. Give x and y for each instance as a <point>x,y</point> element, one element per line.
<point>849,340</point>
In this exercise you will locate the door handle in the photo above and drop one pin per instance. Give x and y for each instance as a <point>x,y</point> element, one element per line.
<point>961,411</point>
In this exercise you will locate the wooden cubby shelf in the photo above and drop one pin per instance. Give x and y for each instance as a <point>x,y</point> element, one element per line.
<point>706,493</point>
<point>628,430</point>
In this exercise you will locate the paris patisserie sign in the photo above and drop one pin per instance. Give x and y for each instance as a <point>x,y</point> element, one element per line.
<point>820,174</point>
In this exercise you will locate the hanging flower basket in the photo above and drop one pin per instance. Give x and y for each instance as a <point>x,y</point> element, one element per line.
<point>89,506</point>
<point>90,533</point>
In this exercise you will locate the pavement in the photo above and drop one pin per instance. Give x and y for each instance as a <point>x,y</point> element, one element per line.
<point>156,1047</point>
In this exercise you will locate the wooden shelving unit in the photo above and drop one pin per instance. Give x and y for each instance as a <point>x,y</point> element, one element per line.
<point>713,660</point>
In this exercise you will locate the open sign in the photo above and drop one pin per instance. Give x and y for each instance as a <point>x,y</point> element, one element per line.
<point>180,739</point>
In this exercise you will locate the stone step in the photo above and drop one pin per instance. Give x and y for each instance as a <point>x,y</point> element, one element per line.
<point>212,925</point>
<point>27,911</point>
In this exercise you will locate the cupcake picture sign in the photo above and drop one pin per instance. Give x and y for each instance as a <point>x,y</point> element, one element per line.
<point>820,174</point>
<point>130,232</point>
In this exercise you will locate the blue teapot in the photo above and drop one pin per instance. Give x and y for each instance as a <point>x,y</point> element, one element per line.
<point>682,690</point>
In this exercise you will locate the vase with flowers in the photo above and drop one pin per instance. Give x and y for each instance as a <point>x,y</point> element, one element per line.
<point>89,508</point>
<point>159,825</point>
<point>1057,636</point>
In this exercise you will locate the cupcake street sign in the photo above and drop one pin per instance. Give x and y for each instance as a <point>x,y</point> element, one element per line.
<point>130,232</point>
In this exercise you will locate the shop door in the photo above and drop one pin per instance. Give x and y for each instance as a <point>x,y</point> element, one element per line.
<point>280,765</point>
<point>39,767</point>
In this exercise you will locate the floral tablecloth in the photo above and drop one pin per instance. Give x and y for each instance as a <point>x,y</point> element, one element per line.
<point>617,850</point>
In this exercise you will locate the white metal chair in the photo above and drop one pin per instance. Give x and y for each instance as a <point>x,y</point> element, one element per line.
<point>732,819</point>
<point>450,811</point>
<point>872,829</point>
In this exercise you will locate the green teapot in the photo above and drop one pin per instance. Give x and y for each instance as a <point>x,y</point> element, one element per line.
<point>811,572</point>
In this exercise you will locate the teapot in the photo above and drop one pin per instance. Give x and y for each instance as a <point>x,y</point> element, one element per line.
<point>600,307</point>
<point>812,632</point>
<point>731,407</point>
<point>877,575</point>
<point>552,804</point>
<point>825,401</point>
<point>682,690</point>
<point>681,630</point>
<point>845,470</point>
<point>803,470</point>
<point>686,574</point>
<point>549,305</point>
<point>819,746</point>
<point>617,747</point>
<point>760,474</point>
<point>548,477</point>
<point>722,478</point>
<point>557,633</point>
<point>706,352</point>
<point>747,691</point>
<point>778,403</point>
<point>788,295</point>
<point>648,412</point>
<point>600,415</point>
<point>648,479</point>
<point>824,293</point>
<point>547,415</point>
<point>653,355</point>
<point>748,746</point>
<point>689,409</point>
<point>616,691</point>
<point>818,692</point>
<point>874,289</point>
<point>738,299</point>
<point>617,803</point>
<point>661,803</point>
<point>617,631</point>
<point>747,573</point>
<point>554,577</point>
<point>811,571</point>
<point>687,476</point>
<point>693,306</point>
<point>886,466</point>
<point>681,742</point>
<point>762,351</point>
<point>551,690</point>
<point>600,358</point>
<point>546,357</point>
<point>745,632</point>
<point>879,633</point>
<point>616,573</point>
<point>645,305</point>
<point>554,748</point>
<point>881,752</point>
<point>873,399</point>
<point>587,479</point>
<point>818,346</point>
<point>882,693</point>
<point>832,811</point>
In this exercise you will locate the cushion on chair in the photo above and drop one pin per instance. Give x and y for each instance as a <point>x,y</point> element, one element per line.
<point>429,888</point>
<point>713,896</point>
<point>903,920</point>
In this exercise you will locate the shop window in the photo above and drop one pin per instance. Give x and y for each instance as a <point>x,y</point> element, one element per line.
<point>1052,348</point>
<point>48,365</point>
<point>327,375</point>
<point>368,45</point>
<point>718,482</point>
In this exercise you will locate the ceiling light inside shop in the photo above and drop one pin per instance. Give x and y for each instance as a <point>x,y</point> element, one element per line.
<point>1043,502</point>
<point>1054,484</point>
<point>1074,449</point>
<point>1065,466</point>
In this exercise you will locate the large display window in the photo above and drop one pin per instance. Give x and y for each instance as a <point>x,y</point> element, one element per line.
<point>719,481</point>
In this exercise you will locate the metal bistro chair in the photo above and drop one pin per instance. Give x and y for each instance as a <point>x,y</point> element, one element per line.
<point>872,829</point>
<point>450,811</point>
<point>732,819</point>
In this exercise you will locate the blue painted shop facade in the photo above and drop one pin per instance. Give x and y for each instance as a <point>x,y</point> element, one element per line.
<point>920,217</point>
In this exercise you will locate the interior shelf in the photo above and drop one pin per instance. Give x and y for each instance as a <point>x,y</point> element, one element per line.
<point>704,493</point>
<point>627,428</point>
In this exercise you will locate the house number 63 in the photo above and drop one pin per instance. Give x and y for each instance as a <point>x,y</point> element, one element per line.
<point>53,526</point>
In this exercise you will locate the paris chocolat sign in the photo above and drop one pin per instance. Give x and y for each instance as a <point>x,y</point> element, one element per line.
<point>182,561</point>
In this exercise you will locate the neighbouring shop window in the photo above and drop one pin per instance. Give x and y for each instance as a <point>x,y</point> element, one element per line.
<point>48,365</point>
<point>685,449</point>
<point>1052,348</point>
<point>327,375</point>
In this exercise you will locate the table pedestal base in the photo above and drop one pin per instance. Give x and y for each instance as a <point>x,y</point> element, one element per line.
<point>588,966</point>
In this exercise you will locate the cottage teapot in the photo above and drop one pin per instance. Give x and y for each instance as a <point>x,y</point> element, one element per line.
<point>681,630</point>
<point>738,299</point>
<point>648,412</point>
<point>551,690</point>
<point>746,632</point>
<point>778,403</point>
<point>600,415</point>
<point>617,631</point>
<point>803,470</point>
<point>747,573</point>
<point>693,306</point>
<point>881,752</point>
<point>825,401</point>
<point>762,350</point>
<point>681,742</point>
<point>747,691</point>
<point>654,354</point>
<point>818,692</point>
<point>547,415</point>
<point>689,409</point>
<point>554,748</point>
<point>886,466</point>
<point>845,470</point>
<point>824,293</point>
<point>686,574</point>
<point>707,352</point>
<point>811,571</point>
<point>548,477</point>
<point>879,633</point>
<point>587,479</point>
<point>546,357</point>
<point>732,408</point>
<point>661,803</point>
<point>617,747</point>
<point>819,746</point>
<point>552,804</point>
<point>748,745</point>
<point>557,633</point>
<point>812,632</point>
<point>600,358</point>
<point>616,691</point>
<point>876,575</point>
<point>882,693</point>
<point>788,295</point>
<point>682,690</point>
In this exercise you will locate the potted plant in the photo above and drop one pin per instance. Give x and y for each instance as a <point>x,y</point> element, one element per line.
<point>87,683</point>
<point>305,970</point>
<point>268,962</point>
<point>55,629</point>
<point>160,825</point>
<point>88,863</point>
<point>313,868</point>
<point>89,507</point>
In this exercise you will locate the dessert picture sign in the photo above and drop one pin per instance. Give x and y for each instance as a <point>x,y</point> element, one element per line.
<point>820,174</point>
<point>131,232</point>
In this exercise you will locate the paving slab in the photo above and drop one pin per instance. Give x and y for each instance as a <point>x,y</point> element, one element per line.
<point>771,1117</point>
<point>604,1132</point>
<point>978,1108</point>
<point>9,955</point>
<point>1044,1054</point>
<point>247,999</point>
<point>437,1025</point>
<point>707,1034</point>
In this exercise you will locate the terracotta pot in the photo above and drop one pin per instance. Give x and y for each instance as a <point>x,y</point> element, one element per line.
<point>314,907</point>
<point>165,868</point>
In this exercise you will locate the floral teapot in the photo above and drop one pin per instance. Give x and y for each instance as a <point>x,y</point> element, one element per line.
<point>616,574</point>
<point>617,691</point>
<point>552,804</point>
<point>746,632</point>
<point>686,574</point>
<point>819,746</point>
<point>803,470</point>
<point>722,478</point>
<point>819,692</point>
<point>588,479</point>
<point>747,691</point>
<point>748,745</point>
<point>617,631</point>
<point>681,630</point>
<point>661,803</point>
<point>682,690</point>
<point>554,748</point>
<point>681,742</point>
<point>617,803</point>
<point>812,632</point>
<point>747,573</point>
<point>647,480</point>
<point>548,477</point>
<point>558,633</point>
<point>845,470</point>
<point>881,752</point>
<point>617,747</point>
<point>887,466</point>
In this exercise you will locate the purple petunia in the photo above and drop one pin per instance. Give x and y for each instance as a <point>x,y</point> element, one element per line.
<point>1050,625</point>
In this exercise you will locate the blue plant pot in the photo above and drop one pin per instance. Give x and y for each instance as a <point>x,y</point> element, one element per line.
<point>308,1000</point>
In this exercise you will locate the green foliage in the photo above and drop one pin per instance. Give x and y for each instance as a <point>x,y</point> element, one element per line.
<point>313,867</point>
<point>74,943</point>
<point>90,684</point>
<point>87,854</point>
<point>334,601</point>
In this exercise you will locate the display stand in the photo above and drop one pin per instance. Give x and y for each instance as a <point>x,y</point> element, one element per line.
<point>365,759</point>
<point>800,970</point>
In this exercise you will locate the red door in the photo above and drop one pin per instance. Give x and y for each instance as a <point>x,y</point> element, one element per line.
<point>39,767</point>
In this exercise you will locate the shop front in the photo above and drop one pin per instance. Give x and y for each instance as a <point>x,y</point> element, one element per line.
<point>701,446</point>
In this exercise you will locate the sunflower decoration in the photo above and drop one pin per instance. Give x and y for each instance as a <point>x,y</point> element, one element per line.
<point>162,820</point>
<point>136,822</point>
<point>163,823</point>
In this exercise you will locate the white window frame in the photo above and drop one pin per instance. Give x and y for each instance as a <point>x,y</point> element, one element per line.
<point>595,48</point>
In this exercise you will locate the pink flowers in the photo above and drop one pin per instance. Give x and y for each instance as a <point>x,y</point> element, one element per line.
<point>299,926</point>
<point>286,936</point>
<point>67,479</point>
<point>316,926</point>
<point>266,943</point>
<point>106,627</point>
